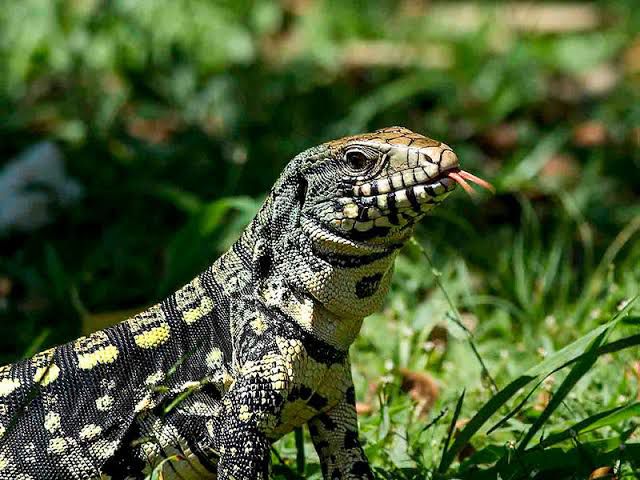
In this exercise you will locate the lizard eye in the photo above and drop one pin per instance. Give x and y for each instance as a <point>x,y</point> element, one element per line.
<point>357,160</point>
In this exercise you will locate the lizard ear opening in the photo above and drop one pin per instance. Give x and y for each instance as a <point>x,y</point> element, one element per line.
<point>301,194</point>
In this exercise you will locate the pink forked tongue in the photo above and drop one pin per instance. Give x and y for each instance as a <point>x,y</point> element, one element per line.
<point>461,177</point>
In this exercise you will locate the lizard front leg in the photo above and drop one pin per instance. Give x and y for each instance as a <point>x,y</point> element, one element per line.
<point>335,436</point>
<point>236,433</point>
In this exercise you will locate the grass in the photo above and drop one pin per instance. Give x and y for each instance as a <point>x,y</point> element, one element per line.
<point>562,411</point>
<point>511,351</point>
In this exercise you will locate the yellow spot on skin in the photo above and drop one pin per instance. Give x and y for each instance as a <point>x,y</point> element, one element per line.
<point>104,403</point>
<point>227,380</point>
<point>245,414</point>
<point>294,414</point>
<point>57,445</point>
<point>279,381</point>
<point>104,448</point>
<point>154,378</point>
<point>143,404</point>
<point>52,422</point>
<point>258,325</point>
<point>46,375</point>
<point>350,210</point>
<point>105,355</point>
<point>26,476</point>
<point>152,338</point>
<point>214,357</point>
<point>90,431</point>
<point>198,408</point>
<point>7,386</point>
<point>2,430</point>
<point>195,314</point>
<point>4,463</point>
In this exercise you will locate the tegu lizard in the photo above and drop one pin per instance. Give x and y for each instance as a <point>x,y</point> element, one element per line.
<point>202,383</point>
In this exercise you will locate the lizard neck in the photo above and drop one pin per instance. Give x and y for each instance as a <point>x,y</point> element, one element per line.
<point>325,288</point>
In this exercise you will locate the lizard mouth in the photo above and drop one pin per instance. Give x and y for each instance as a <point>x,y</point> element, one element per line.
<point>401,199</point>
<point>415,193</point>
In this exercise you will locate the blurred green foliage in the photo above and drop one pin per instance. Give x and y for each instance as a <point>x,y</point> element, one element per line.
<point>177,116</point>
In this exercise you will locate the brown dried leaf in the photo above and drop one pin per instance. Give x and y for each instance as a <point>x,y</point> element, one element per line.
<point>538,18</point>
<point>413,8</point>
<point>542,401</point>
<point>154,130</point>
<point>632,57</point>
<point>561,166</point>
<point>466,452</point>
<point>468,449</point>
<point>421,387</point>
<point>502,137</point>
<point>591,133</point>
<point>599,80</point>
<point>552,17</point>
<point>635,369</point>
<point>297,7</point>
<point>635,136</point>
<point>380,53</point>
<point>439,336</point>
<point>470,321</point>
<point>460,424</point>
<point>363,408</point>
<point>5,287</point>
<point>373,388</point>
<point>603,472</point>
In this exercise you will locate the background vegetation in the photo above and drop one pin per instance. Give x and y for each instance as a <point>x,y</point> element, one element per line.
<point>174,117</point>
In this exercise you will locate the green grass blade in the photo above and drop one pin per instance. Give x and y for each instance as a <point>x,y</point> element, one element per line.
<point>576,373</point>
<point>452,426</point>
<point>480,418</point>
<point>455,312</point>
<point>36,343</point>
<point>515,410</point>
<point>553,463</point>
<point>574,350</point>
<point>599,420</point>
<point>528,167</point>
<point>562,358</point>
<point>621,344</point>
<point>300,460</point>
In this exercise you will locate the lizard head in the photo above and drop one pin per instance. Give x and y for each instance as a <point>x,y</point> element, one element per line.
<point>369,190</point>
<point>340,212</point>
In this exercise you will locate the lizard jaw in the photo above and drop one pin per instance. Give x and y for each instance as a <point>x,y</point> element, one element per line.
<point>398,208</point>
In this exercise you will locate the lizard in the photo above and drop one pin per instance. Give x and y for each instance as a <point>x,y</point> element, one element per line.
<point>201,384</point>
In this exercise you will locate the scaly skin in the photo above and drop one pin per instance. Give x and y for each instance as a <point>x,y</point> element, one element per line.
<point>253,347</point>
